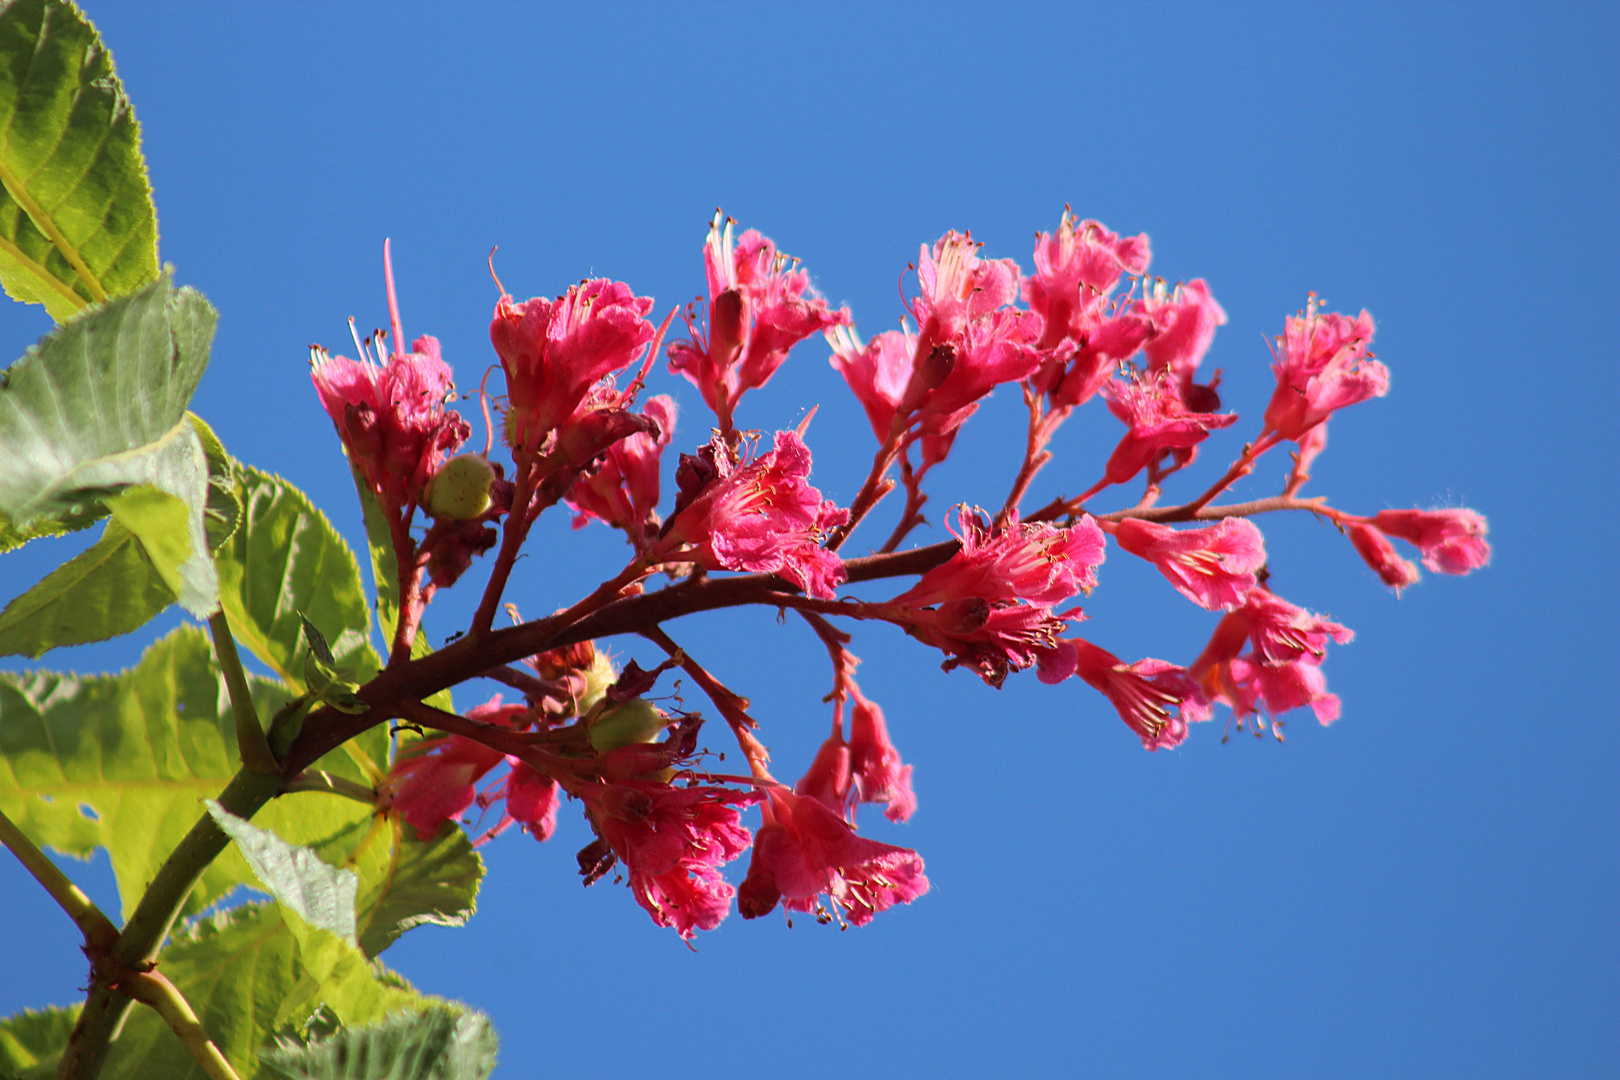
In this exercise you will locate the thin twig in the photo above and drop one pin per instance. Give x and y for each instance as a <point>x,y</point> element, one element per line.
<point>98,930</point>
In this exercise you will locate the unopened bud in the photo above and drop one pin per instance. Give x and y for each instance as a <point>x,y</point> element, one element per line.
<point>459,491</point>
<point>726,327</point>
<point>636,721</point>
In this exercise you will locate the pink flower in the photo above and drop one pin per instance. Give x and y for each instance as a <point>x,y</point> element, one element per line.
<point>936,382</point>
<point>1144,693</point>
<point>671,840</point>
<point>531,798</point>
<point>805,851</point>
<point>760,306</point>
<point>1214,567</point>
<point>880,776</point>
<point>1376,550</point>
<point>1281,633</point>
<point>1281,671</point>
<point>1452,541</point>
<point>1185,320</point>
<point>1322,365</point>
<point>1086,333</point>
<point>958,288</point>
<point>760,516</point>
<point>1075,269</point>
<point>623,491</point>
<point>391,416</point>
<point>1160,422</point>
<point>554,351</point>
<point>990,604</point>
<point>436,779</point>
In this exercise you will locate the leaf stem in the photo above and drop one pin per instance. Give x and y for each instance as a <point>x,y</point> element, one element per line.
<point>99,931</point>
<point>319,780</point>
<point>152,988</point>
<point>105,1007</point>
<point>251,741</point>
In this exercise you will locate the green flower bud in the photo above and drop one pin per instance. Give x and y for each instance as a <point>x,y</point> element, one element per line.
<point>460,489</point>
<point>636,721</point>
<point>598,677</point>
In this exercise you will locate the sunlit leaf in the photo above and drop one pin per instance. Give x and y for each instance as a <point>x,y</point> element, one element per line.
<point>252,973</point>
<point>32,1041</point>
<point>76,218</point>
<point>109,589</point>
<point>317,892</point>
<point>98,406</point>
<point>406,882</point>
<point>124,762</point>
<point>441,1043</point>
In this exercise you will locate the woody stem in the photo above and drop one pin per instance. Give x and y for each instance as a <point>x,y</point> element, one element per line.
<point>513,533</point>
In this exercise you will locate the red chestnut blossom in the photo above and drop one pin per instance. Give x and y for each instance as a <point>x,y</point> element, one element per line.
<point>760,306</point>
<point>1452,541</point>
<point>1086,334</point>
<point>1185,319</point>
<point>1376,550</point>
<point>990,604</point>
<point>435,780</point>
<point>1322,365</point>
<point>1282,669</point>
<point>1143,693</point>
<point>958,288</point>
<point>759,516</point>
<point>554,351</point>
<point>623,491</point>
<point>391,416</point>
<point>804,851</point>
<point>880,776</point>
<point>671,840</point>
<point>1281,632</point>
<point>1160,422</point>
<point>531,798</point>
<point>865,769</point>
<point>901,380</point>
<point>1076,267</point>
<point>1214,567</point>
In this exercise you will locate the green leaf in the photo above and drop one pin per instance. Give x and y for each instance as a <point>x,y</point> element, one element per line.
<point>76,218</point>
<point>112,588</point>
<point>13,537</point>
<point>384,566</point>
<point>286,562</point>
<point>33,1040</point>
<point>138,752</point>
<point>441,1043</point>
<point>109,589</point>
<point>224,510</point>
<point>99,406</point>
<point>407,882</point>
<point>320,894</point>
<point>250,973</point>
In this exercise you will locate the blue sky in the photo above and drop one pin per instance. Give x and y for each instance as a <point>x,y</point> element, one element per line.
<point>1426,888</point>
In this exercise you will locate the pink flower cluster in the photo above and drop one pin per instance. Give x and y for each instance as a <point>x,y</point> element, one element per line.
<point>994,600</point>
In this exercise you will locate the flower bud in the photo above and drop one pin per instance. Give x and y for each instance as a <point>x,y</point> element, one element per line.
<point>460,489</point>
<point>636,721</point>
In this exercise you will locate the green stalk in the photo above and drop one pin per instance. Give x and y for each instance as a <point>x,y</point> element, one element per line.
<point>154,916</point>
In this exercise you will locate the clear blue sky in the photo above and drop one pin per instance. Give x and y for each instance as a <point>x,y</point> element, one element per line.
<point>1427,888</point>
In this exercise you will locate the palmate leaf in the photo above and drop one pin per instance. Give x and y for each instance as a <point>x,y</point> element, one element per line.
<point>252,973</point>
<point>139,751</point>
<point>286,563</point>
<point>439,1043</point>
<point>109,589</point>
<point>406,882</point>
<point>31,1041</point>
<point>98,407</point>
<point>76,219</point>
<point>317,892</point>
<point>112,588</point>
